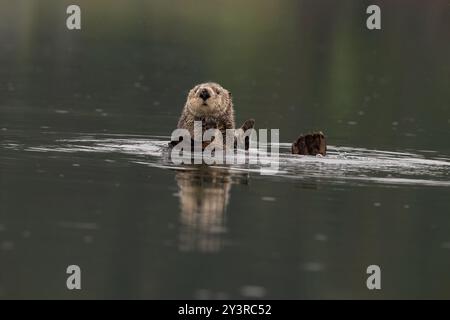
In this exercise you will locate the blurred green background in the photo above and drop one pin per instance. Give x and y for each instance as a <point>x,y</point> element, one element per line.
<point>293,65</point>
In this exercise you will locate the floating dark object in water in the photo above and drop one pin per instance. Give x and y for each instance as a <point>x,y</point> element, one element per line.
<point>310,144</point>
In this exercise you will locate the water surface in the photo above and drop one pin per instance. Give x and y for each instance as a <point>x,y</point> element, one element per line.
<point>85,178</point>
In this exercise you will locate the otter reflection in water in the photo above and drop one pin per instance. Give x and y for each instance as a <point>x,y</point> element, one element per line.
<point>204,194</point>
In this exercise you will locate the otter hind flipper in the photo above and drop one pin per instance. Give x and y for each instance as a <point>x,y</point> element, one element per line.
<point>310,144</point>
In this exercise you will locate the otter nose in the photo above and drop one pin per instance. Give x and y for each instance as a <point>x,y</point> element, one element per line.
<point>204,94</point>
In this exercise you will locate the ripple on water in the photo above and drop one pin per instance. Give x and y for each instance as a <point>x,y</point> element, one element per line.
<point>341,165</point>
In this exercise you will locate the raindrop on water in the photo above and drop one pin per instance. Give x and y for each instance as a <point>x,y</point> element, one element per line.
<point>7,245</point>
<point>253,291</point>
<point>320,237</point>
<point>313,266</point>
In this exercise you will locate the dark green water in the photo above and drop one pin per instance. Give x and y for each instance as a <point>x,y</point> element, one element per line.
<point>83,177</point>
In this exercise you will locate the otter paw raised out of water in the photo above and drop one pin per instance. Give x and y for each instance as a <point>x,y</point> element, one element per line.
<point>310,144</point>
<point>247,125</point>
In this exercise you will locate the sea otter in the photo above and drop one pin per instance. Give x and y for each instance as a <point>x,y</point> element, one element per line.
<point>210,103</point>
<point>213,105</point>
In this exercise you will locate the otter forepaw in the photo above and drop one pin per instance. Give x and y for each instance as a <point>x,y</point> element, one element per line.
<point>310,144</point>
<point>210,123</point>
<point>248,124</point>
<point>174,143</point>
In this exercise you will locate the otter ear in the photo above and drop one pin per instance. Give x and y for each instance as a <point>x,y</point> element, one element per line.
<point>229,94</point>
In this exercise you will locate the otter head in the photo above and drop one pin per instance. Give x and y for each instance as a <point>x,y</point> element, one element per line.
<point>208,99</point>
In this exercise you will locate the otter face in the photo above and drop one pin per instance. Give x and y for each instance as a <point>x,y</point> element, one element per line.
<point>208,99</point>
